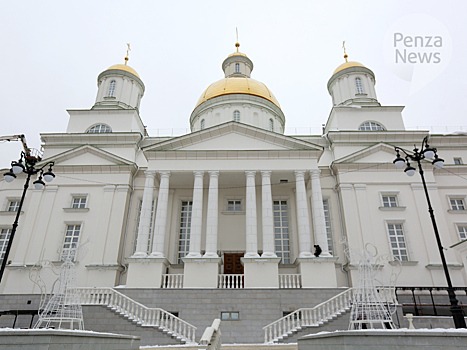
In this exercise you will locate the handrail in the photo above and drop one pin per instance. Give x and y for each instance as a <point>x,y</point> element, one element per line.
<point>138,312</point>
<point>212,336</point>
<point>306,317</point>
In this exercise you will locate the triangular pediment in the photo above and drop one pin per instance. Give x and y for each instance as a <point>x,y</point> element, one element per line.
<point>378,153</point>
<point>88,155</point>
<point>233,136</point>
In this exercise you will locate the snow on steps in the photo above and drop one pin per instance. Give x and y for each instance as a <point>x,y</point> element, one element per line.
<point>138,313</point>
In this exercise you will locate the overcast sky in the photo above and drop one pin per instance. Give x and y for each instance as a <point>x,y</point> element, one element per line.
<point>53,51</point>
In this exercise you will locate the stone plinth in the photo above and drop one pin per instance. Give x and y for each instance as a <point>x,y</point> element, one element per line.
<point>261,272</point>
<point>200,272</point>
<point>145,272</point>
<point>318,272</point>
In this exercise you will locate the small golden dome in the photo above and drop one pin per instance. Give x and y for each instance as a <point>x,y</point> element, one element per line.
<point>237,85</point>
<point>346,65</point>
<point>123,67</point>
<point>237,54</point>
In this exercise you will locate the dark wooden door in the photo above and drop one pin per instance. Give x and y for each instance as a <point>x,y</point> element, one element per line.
<point>232,263</point>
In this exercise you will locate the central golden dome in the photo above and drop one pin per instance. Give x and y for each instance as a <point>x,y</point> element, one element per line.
<point>237,85</point>
<point>346,65</point>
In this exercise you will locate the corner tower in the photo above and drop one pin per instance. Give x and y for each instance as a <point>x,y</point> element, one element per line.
<point>238,98</point>
<point>352,84</point>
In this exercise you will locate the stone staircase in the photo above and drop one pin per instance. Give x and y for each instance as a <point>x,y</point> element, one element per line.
<point>303,318</point>
<point>138,313</point>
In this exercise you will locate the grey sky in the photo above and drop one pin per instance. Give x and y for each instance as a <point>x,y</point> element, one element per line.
<point>53,51</point>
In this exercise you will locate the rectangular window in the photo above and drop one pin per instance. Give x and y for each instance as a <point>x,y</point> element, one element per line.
<point>457,204</point>
<point>462,229</point>
<point>13,205</point>
<point>185,228</point>
<point>70,244</point>
<point>458,161</point>
<point>397,242</point>
<point>327,221</point>
<point>4,238</point>
<point>234,205</point>
<point>79,202</point>
<point>389,201</point>
<point>281,230</point>
<point>230,315</point>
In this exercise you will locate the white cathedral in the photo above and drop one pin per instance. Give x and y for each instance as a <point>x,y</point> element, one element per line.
<point>236,203</point>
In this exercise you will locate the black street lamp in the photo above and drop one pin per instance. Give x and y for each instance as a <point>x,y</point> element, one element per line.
<point>26,164</point>
<point>417,155</point>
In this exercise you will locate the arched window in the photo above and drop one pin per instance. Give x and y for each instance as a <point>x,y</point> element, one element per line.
<point>237,67</point>
<point>202,124</point>
<point>359,86</point>
<point>236,116</point>
<point>371,126</point>
<point>99,129</point>
<point>271,124</point>
<point>112,86</point>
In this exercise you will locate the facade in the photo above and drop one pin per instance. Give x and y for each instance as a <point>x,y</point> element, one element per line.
<point>236,203</point>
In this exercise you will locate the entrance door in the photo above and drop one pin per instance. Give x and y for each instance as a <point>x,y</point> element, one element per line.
<point>232,263</point>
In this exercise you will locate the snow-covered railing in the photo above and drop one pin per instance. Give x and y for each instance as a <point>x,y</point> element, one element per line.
<point>230,281</point>
<point>308,317</point>
<point>211,338</point>
<point>142,315</point>
<point>172,281</point>
<point>290,280</point>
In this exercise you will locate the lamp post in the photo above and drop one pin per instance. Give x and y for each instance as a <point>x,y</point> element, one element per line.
<point>26,164</point>
<point>417,155</point>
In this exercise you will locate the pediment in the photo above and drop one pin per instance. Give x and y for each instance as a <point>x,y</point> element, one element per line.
<point>87,156</point>
<point>378,153</point>
<point>233,136</point>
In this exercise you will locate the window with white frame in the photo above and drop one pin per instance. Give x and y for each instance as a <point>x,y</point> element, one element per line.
<point>79,202</point>
<point>13,205</point>
<point>359,86</point>
<point>281,230</point>
<point>458,161</point>
<point>271,124</point>
<point>237,67</point>
<point>457,204</point>
<point>462,230</point>
<point>327,221</point>
<point>389,200</point>
<point>4,238</point>
<point>70,243</point>
<point>202,124</point>
<point>236,116</point>
<point>112,86</point>
<point>371,126</point>
<point>397,241</point>
<point>234,205</point>
<point>185,230</point>
<point>99,129</point>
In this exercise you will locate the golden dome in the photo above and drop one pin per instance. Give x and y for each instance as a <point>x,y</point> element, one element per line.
<point>125,68</point>
<point>346,65</point>
<point>238,54</point>
<point>237,85</point>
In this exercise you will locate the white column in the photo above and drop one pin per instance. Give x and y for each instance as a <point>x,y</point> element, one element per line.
<point>304,235</point>
<point>250,212</point>
<point>212,215</point>
<point>145,216</point>
<point>319,222</point>
<point>268,220</point>
<point>196,216</point>
<point>160,224</point>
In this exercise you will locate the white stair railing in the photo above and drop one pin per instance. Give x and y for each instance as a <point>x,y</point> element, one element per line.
<point>290,280</point>
<point>308,317</point>
<point>144,316</point>
<point>230,281</point>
